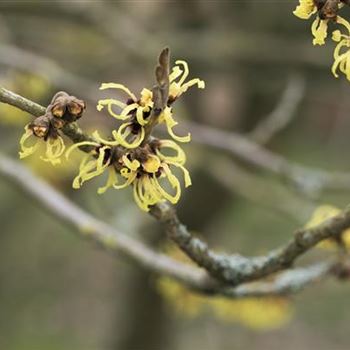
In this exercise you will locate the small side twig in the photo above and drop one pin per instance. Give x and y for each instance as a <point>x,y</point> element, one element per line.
<point>283,113</point>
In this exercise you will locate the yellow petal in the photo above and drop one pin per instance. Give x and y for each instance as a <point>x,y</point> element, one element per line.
<point>174,182</point>
<point>167,117</point>
<point>131,178</point>
<point>110,103</point>
<point>105,86</point>
<point>121,135</point>
<point>305,9</point>
<point>97,136</point>
<point>175,73</point>
<point>54,150</point>
<point>180,156</point>
<point>344,22</point>
<point>187,177</point>
<point>132,165</point>
<point>25,150</point>
<point>79,144</point>
<point>319,31</point>
<point>139,116</point>
<point>91,168</point>
<point>111,181</point>
<point>200,84</point>
<point>185,71</point>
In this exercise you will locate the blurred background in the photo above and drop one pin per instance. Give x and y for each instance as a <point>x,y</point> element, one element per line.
<point>59,292</point>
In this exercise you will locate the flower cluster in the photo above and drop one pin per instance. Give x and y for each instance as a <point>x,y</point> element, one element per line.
<point>132,157</point>
<point>148,169</point>
<point>135,113</point>
<point>326,11</point>
<point>63,109</point>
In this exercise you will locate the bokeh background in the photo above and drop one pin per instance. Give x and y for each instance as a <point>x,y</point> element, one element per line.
<point>59,292</point>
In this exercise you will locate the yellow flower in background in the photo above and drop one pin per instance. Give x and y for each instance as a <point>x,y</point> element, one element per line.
<point>319,27</point>
<point>305,9</point>
<point>342,59</point>
<point>255,313</point>
<point>319,30</point>
<point>26,84</point>
<point>134,113</point>
<point>54,144</point>
<point>321,214</point>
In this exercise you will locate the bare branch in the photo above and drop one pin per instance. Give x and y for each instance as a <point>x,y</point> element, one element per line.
<point>257,189</point>
<point>109,238</point>
<point>236,269</point>
<point>284,112</point>
<point>308,180</point>
<point>286,283</point>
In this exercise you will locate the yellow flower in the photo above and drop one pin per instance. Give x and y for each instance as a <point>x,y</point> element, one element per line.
<point>54,144</point>
<point>321,214</point>
<point>167,118</point>
<point>319,30</point>
<point>342,60</point>
<point>177,80</point>
<point>152,177</point>
<point>305,10</point>
<point>256,313</point>
<point>134,113</point>
<point>149,170</point>
<point>94,164</point>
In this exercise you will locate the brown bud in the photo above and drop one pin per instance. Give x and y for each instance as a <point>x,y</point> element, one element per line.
<point>40,131</point>
<point>76,107</point>
<point>57,123</point>
<point>40,126</point>
<point>67,107</point>
<point>328,9</point>
<point>58,110</point>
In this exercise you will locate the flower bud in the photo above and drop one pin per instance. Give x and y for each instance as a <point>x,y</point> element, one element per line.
<point>40,126</point>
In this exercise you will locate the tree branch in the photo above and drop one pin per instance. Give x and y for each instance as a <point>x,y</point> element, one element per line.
<point>236,269</point>
<point>109,238</point>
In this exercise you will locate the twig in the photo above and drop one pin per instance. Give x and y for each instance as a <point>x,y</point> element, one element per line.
<point>259,190</point>
<point>284,112</point>
<point>286,283</point>
<point>308,180</point>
